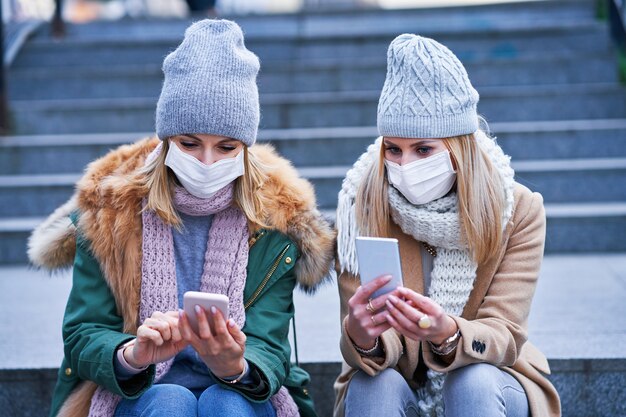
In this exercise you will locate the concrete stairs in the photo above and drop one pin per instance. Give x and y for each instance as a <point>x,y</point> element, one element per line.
<point>549,86</point>
<point>585,201</point>
<point>588,371</point>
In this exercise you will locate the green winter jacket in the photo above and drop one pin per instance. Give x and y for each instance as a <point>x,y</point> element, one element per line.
<point>93,326</point>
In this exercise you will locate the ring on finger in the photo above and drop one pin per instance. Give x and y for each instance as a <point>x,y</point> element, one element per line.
<point>370,307</point>
<point>424,322</point>
<point>373,320</point>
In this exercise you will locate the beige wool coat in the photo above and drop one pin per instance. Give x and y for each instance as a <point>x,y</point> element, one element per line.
<point>496,314</point>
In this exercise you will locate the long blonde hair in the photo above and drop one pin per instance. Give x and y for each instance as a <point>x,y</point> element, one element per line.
<point>159,180</point>
<point>480,192</point>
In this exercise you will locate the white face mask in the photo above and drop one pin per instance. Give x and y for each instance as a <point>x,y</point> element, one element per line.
<point>202,180</point>
<point>424,180</point>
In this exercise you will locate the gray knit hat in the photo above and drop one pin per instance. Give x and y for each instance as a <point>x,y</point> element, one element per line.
<point>210,85</point>
<point>427,93</point>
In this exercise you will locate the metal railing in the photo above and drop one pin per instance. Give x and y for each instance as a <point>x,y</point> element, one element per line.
<point>617,21</point>
<point>11,13</point>
<point>616,14</point>
<point>4,111</point>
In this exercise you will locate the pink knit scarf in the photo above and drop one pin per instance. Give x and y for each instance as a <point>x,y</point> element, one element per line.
<point>224,272</point>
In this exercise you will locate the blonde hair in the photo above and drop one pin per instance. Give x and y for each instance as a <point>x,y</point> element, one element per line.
<point>480,191</point>
<point>159,180</point>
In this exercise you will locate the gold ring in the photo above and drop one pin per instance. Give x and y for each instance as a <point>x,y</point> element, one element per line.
<point>370,307</point>
<point>424,322</point>
<point>373,320</point>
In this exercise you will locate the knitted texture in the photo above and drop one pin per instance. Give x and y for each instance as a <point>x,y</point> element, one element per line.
<point>224,272</point>
<point>452,277</point>
<point>436,223</point>
<point>210,85</point>
<point>446,231</point>
<point>427,93</point>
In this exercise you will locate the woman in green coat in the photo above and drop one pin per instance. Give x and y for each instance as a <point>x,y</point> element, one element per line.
<point>197,209</point>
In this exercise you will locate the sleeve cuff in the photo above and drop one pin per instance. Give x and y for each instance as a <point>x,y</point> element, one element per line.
<point>253,385</point>
<point>124,370</point>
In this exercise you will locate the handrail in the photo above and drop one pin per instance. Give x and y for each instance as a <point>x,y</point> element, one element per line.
<point>617,25</point>
<point>13,11</point>
<point>617,21</point>
<point>4,113</point>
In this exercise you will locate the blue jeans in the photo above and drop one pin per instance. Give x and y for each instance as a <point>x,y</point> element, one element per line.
<point>169,400</point>
<point>482,390</point>
<point>471,391</point>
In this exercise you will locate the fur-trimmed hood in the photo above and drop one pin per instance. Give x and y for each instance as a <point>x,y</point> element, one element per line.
<point>105,193</point>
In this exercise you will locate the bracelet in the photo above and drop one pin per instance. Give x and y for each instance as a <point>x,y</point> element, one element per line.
<point>366,352</point>
<point>238,378</point>
<point>447,346</point>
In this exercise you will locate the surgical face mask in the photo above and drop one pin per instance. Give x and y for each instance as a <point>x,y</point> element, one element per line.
<point>202,180</point>
<point>424,180</point>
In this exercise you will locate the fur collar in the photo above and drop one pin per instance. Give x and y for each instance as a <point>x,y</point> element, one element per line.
<point>110,205</point>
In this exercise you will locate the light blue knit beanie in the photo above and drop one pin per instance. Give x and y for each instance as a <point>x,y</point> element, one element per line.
<point>427,93</point>
<point>210,85</point>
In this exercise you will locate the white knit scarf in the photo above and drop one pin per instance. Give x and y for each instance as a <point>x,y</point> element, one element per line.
<point>436,223</point>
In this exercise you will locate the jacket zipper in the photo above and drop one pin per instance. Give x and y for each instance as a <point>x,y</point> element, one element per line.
<point>258,235</point>
<point>266,279</point>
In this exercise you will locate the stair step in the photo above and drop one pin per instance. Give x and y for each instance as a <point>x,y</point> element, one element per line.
<point>568,139</point>
<point>356,108</point>
<point>586,210</point>
<point>582,364</point>
<point>468,44</point>
<point>19,224</point>
<point>584,181</point>
<point>572,181</point>
<point>375,22</point>
<point>571,228</point>
<point>361,20</point>
<point>146,80</point>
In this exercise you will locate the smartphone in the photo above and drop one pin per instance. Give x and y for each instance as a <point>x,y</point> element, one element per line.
<point>379,256</point>
<point>205,300</point>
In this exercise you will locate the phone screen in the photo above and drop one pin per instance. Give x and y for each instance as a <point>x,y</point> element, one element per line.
<point>379,256</point>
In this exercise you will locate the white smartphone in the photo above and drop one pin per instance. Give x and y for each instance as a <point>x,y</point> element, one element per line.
<point>379,256</point>
<point>205,300</point>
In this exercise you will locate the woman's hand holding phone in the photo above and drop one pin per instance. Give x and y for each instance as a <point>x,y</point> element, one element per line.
<point>406,307</point>
<point>220,344</point>
<point>367,317</point>
<point>158,339</point>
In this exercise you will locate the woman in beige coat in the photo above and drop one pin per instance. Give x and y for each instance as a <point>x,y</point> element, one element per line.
<point>453,340</point>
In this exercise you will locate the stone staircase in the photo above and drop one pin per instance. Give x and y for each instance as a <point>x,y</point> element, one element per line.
<point>546,72</point>
<point>561,117</point>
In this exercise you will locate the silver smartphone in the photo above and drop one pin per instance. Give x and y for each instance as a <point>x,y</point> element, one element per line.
<point>206,301</point>
<point>379,256</point>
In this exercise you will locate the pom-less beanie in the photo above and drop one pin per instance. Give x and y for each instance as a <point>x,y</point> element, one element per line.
<point>427,93</point>
<point>210,85</point>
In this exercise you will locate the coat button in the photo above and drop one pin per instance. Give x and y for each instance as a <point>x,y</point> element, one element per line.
<point>68,371</point>
<point>288,260</point>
